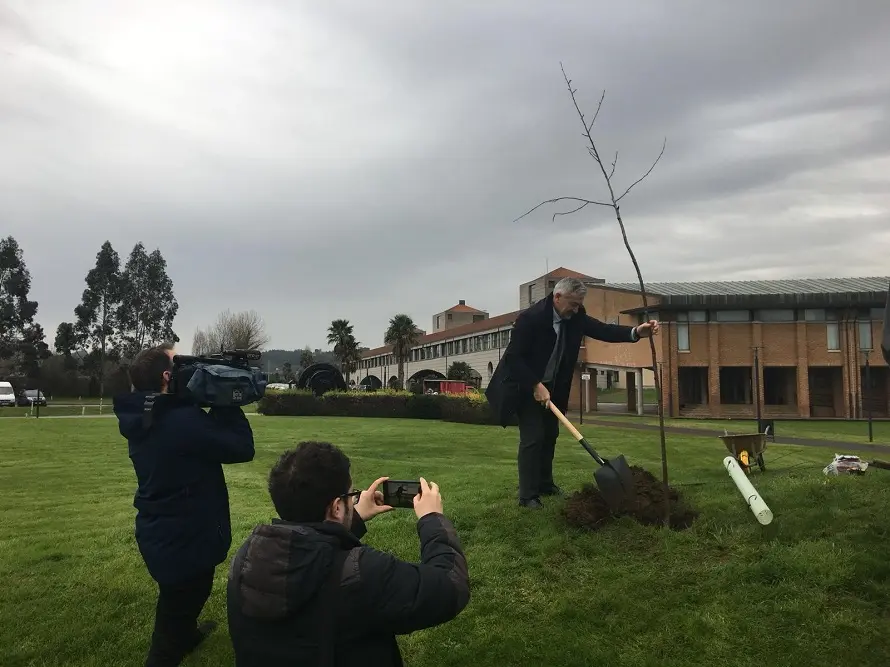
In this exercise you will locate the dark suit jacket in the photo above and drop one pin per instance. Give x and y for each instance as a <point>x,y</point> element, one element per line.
<point>525,359</point>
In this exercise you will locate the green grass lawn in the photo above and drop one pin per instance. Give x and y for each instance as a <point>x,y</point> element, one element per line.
<point>817,429</point>
<point>71,410</point>
<point>810,589</point>
<point>620,396</point>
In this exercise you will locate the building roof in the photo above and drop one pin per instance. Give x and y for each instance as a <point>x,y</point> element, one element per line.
<point>506,319</point>
<point>563,272</point>
<point>762,287</point>
<point>806,292</point>
<point>462,307</point>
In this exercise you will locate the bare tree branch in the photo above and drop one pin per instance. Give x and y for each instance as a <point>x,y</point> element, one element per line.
<point>585,202</point>
<point>607,176</point>
<point>598,107</point>
<point>649,171</point>
<point>243,330</point>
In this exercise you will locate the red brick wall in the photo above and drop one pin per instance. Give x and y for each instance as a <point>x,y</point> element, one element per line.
<point>712,345</point>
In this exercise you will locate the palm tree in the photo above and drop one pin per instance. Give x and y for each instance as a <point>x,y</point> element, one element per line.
<point>352,356</point>
<point>345,346</point>
<point>402,334</point>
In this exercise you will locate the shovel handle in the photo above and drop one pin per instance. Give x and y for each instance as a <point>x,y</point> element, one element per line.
<point>580,438</point>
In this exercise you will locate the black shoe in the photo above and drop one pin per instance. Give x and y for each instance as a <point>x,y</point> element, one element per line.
<point>162,654</point>
<point>205,628</point>
<point>553,491</point>
<point>531,503</point>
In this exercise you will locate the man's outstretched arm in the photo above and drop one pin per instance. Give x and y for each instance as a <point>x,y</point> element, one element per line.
<point>609,333</point>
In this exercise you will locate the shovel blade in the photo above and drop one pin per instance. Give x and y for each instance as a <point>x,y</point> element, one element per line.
<point>615,482</point>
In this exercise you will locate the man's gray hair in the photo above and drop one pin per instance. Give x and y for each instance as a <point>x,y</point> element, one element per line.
<point>570,287</point>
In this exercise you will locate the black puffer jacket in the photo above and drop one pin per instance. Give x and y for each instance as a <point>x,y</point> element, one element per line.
<point>274,604</point>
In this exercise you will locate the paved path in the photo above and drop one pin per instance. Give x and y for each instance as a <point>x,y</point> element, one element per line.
<point>839,447</point>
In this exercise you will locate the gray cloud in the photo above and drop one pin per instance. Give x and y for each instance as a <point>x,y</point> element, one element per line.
<point>331,160</point>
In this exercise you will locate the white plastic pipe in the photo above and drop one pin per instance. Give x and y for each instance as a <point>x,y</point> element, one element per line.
<point>761,512</point>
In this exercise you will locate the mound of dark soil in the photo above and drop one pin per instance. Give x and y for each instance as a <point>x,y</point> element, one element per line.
<point>587,509</point>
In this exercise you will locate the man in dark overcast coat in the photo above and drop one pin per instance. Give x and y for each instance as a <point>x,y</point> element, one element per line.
<point>537,367</point>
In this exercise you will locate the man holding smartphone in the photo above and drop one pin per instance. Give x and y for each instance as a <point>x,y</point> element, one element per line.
<point>305,590</point>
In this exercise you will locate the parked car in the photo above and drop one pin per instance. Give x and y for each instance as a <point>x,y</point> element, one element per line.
<point>7,395</point>
<point>31,397</point>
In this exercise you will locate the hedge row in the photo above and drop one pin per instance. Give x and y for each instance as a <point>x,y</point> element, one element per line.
<point>463,409</point>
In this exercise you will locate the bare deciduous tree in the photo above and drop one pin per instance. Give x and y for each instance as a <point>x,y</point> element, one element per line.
<point>613,203</point>
<point>242,331</point>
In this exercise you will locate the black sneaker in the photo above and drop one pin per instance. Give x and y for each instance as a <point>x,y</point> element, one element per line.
<point>553,491</point>
<point>531,503</point>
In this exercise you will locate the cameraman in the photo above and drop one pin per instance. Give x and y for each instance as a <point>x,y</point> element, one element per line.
<point>182,523</point>
<point>304,590</point>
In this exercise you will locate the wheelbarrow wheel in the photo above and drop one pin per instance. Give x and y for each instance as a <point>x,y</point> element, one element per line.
<point>761,463</point>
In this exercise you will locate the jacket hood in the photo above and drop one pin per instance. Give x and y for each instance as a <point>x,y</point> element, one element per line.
<point>130,411</point>
<point>282,566</point>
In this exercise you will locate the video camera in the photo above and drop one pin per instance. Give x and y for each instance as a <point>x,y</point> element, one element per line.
<point>219,380</point>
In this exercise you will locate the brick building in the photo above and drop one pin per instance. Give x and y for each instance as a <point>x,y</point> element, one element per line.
<point>798,347</point>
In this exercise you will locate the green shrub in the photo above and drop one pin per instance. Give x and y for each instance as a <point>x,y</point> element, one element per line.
<point>471,408</point>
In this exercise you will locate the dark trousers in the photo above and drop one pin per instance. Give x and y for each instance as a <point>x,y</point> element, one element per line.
<point>176,619</point>
<point>538,430</point>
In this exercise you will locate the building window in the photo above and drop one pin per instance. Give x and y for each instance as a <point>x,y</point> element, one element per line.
<point>438,321</point>
<point>774,315</point>
<point>834,343</point>
<point>641,317</point>
<point>733,316</point>
<point>505,338</point>
<point>531,293</point>
<point>698,316</point>
<point>683,336</point>
<point>877,314</point>
<point>814,315</point>
<point>864,335</point>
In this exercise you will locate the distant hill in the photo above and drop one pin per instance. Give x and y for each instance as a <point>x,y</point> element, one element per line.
<point>273,359</point>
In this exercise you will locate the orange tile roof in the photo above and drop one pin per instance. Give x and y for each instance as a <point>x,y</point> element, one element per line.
<point>456,332</point>
<point>563,272</point>
<point>463,308</point>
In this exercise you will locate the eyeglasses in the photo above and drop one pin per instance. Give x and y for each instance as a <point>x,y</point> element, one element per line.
<point>354,494</point>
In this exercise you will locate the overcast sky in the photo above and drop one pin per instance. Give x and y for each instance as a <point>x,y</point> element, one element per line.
<point>319,160</point>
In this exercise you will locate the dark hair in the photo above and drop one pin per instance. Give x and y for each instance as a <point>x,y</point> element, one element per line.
<point>147,370</point>
<point>306,479</point>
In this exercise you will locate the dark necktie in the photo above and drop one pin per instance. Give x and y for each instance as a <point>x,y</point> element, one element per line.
<point>556,355</point>
<point>560,344</point>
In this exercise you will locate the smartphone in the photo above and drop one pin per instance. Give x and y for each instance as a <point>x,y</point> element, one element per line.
<point>400,493</point>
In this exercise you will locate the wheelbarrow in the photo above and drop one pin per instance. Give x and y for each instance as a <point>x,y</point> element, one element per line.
<point>746,447</point>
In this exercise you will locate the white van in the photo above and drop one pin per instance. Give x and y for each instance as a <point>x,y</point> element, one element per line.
<point>7,395</point>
